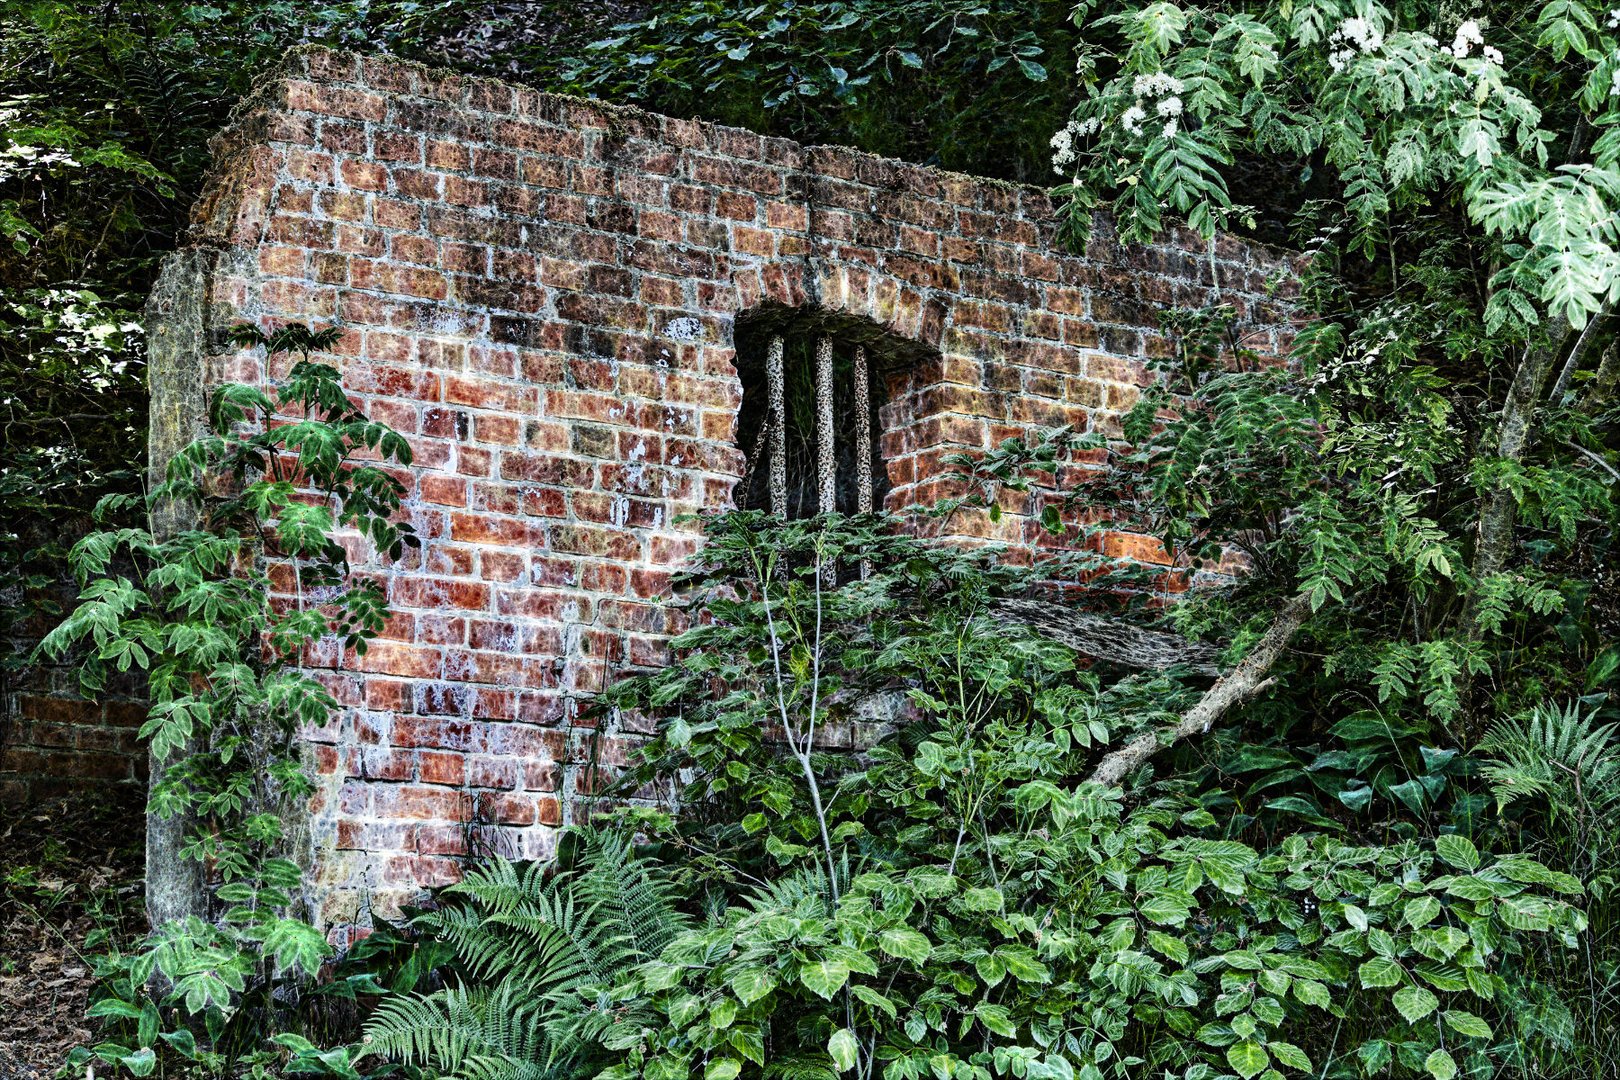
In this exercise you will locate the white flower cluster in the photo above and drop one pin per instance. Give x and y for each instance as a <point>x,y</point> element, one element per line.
<point>1355,36</point>
<point>1468,35</point>
<point>1614,19</point>
<point>1158,84</point>
<point>1167,89</point>
<point>1063,151</point>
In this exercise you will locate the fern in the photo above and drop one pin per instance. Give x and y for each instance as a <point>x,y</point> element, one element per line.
<point>536,949</point>
<point>1556,755</point>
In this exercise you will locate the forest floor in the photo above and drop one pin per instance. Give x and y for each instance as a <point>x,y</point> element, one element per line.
<point>69,870</point>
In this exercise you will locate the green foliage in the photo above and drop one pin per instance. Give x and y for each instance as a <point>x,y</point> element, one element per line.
<point>530,955</point>
<point>967,84</point>
<point>955,898</point>
<point>194,611</point>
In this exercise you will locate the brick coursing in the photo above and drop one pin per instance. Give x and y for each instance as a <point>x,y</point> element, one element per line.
<point>542,294</point>
<point>53,740</point>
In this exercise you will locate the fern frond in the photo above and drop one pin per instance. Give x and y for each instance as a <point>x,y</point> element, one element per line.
<point>1555,754</point>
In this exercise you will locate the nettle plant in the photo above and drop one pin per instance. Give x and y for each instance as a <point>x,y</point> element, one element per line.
<point>272,486</point>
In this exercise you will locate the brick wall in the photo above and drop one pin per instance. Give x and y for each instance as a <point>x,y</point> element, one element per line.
<point>54,742</point>
<point>542,293</point>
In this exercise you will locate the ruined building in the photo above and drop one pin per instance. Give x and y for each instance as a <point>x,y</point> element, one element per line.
<point>574,311</point>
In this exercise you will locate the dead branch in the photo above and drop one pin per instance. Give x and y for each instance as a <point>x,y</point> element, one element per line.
<point>1244,681</point>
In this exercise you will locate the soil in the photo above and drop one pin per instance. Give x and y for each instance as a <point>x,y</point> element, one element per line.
<point>70,871</point>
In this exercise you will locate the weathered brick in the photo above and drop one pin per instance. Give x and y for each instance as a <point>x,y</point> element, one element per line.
<point>547,296</point>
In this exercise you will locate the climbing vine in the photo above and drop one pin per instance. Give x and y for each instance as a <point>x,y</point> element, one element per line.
<point>217,616</point>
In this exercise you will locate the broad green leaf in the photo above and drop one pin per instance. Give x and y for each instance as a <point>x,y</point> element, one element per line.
<point>752,983</point>
<point>1420,911</point>
<point>996,1018</point>
<point>905,944</point>
<point>1290,1055</point>
<point>1466,1023</point>
<point>1380,971</point>
<point>824,978</point>
<point>722,1068</point>
<point>1440,1065</point>
<point>844,1049</point>
<point>1414,1003</point>
<point>1458,851</point>
<point>1310,992</point>
<point>1248,1058</point>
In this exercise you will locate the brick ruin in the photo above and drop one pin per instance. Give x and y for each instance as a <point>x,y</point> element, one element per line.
<point>565,305</point>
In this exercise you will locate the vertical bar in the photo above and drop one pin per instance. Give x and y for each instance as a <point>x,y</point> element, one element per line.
<point>776,390</point>
<point>826,453</point>
<point>863,443</point>
<point>863,434</point>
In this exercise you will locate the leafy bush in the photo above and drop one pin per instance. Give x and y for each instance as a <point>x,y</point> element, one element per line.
<point>887,822</point>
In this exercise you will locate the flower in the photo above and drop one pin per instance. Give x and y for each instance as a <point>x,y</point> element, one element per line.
<point>1614,18</point>
<point>1062,149</point>
<point>1170,128</point>
<point>1170,106</point>
<point>1132,119</point>
<point>1364,34</point>
<point>1491,55</point>
<point>1467,35</point>
<point>1354,36</point>
<point>1158,84</point>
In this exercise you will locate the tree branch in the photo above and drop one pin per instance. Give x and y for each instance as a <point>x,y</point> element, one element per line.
<point>1244,681</point>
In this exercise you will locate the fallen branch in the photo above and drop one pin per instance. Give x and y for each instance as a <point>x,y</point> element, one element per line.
<point>1111,640</point>
<point>1244,681</point>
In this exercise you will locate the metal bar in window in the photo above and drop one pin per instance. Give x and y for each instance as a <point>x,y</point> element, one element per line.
<point>776,389</point>
<point>826,452</point>
<point>863,443</point>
